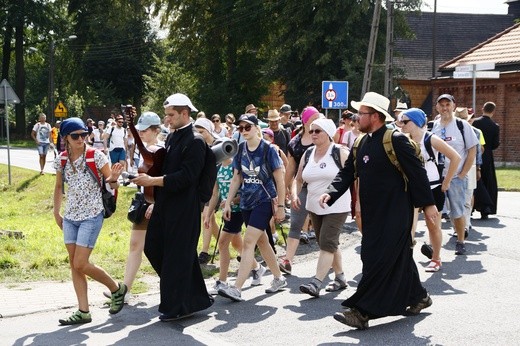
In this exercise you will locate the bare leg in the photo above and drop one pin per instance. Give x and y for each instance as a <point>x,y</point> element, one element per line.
<point>435,233</point>
<point>82,265</point>
<point>248,254</point>
<point>459,224</point>
<point>324,263</point>
<point>135,256</point>
<point>224,255</point>
<point>268,254</point>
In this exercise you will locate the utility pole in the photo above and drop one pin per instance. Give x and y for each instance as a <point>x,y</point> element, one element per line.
<point>434,38</point>
<point>389,48</point>
<point>371,48</point>
<point>50,111</point>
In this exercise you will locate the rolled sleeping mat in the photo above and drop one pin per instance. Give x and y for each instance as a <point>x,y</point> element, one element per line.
<point>224,148</point>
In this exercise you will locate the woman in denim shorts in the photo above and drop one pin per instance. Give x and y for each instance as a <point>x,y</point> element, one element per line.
<point>83,217</point>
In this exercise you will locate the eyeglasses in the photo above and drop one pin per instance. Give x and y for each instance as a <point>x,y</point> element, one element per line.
<point>405,121</point>
<point>365,113</point>
<point>317,131</point>
<point>242,128</point>
<point>75,136</point>
<point>216,120</point>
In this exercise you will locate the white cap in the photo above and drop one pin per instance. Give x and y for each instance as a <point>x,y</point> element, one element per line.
<point>179,100</point>
<point>207,125</point>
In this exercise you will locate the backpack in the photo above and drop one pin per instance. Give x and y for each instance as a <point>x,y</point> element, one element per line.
<point>109,198</point>
<point>439,162</point>
<point>208,175</point>
<point>334,153</point>
<point>390,152</point>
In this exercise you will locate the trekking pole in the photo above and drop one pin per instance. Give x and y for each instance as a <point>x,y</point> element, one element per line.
<point>283,234</point>
<point>218,237</point>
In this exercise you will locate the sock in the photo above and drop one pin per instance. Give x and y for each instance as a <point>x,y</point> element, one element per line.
<point>257,266</point>
<point>341,277</point>
<point>83,312</point>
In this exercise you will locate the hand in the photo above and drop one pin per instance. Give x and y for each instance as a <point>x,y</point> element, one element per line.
<point>226,212</point>
<point>149,211</point>
<point>431,214</point>
<point>117,168</point>
<point>280,215</point>
<point>142,180</point>
<point>445,185</point>
<point>296,203</point>
<point>59,221</point>
<point>324,199</point>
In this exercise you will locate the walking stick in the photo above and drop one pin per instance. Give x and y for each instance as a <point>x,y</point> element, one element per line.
<point>218,237</point>
<point>283,234</point>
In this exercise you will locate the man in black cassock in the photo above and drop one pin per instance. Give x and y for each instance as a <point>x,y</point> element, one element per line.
<point>174,228</point>
<point>390,283</point>
<point>488,177</point>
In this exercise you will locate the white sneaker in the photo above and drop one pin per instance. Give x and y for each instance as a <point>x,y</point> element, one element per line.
<point>230,292</point>
<point>218,285</point>
<point>276,285</point>
<point>257,275</point>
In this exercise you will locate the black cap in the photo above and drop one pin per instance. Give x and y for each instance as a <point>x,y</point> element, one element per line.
<point>447,97</point>
<point>248,118</point>
<point>285,108</point>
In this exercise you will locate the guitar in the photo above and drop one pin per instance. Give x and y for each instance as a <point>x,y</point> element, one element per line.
<point>152,157</point>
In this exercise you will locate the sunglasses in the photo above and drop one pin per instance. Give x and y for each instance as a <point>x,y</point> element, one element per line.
<point>216,120</point>
<point>317,131</point>
<point>405,121</point>
<point>242,128</point>
<point>75,136</point>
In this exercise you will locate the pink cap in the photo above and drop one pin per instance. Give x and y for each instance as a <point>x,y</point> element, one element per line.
<point>307,113</point>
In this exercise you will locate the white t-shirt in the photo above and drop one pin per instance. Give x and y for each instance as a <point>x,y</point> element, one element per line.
<point>42,132</point>
<point>318,176</point>
<point>117,140</point>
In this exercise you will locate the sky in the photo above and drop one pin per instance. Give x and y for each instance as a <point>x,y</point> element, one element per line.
<point>467,6</point>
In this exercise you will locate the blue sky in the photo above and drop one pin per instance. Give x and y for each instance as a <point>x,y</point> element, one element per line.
<point>467,6</point>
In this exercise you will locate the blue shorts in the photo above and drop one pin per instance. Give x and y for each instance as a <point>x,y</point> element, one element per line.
<point>82,233</point>
<point>117,154</point>
<point>43,148</point>
<point>456,195</point>
<point>259,217</point>
<point>234,225</point>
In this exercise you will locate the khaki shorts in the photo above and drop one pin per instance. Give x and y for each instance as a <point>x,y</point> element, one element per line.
<point>328,228</point>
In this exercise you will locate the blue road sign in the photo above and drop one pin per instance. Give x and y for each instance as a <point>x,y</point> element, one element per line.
<point>334,95</point>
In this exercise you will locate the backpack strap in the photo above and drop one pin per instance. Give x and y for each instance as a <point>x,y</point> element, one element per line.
<point>460,125</point>
<point>336,156</point>
<point>390,152</point>
<point>355,147</point>
<point>428,146</point>
<point>91,164</point>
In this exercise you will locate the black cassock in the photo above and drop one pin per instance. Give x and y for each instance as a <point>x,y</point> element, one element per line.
<point>174,228</point>
<point>390,280</point>
<point>488,179</point>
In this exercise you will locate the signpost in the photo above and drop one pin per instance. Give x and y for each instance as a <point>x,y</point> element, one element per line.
<point>475,71</point>
<point>8,96</point>
<point>334,95</point>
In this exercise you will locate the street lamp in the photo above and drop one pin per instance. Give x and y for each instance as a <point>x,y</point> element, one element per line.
<point>51,74</point>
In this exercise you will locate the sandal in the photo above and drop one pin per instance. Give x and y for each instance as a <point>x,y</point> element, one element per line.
<point>336,285</point>
<point>310,288</point>
<point>434,266</point>
<point>118,299</point>
<point>76,318</point>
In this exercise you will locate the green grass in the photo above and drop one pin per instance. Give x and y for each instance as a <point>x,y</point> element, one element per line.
<point>27,207</point>
<point>508,178</point>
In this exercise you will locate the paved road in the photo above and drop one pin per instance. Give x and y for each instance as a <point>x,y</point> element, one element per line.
<point>26,158</point>
<point>475,303</point>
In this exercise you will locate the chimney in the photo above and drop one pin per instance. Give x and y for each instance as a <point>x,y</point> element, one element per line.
<point>514,8</point>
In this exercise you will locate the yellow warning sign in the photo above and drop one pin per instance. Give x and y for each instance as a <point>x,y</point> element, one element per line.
<point>60,111</point>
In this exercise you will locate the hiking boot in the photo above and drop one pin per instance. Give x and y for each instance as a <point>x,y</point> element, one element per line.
<point>257,275</point>
<point>204,258</point>
<point>76,318</point>
<point>230,292</point>
<point>460,249</point>
<point>276,285</point>
<point>118,299</point>
<point>310,289</point>
<point>427,250</point>
<point>353,318</point>
<point>218,285</point>
<point>285,265</point>
<point>422,304</point>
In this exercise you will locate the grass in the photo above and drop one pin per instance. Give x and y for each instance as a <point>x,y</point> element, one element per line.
<point>40,255</point>
<point>27,207</point>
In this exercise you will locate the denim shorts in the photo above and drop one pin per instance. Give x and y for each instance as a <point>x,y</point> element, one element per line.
<point>456,195</point>
<point>259,217</point>
<point>117,154</point>
<point>82,233</point>
<point>43,148</point>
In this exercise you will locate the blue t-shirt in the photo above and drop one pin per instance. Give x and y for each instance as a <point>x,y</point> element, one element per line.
<point>257,177</point>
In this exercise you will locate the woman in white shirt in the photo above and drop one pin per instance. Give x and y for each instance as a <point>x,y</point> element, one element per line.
<point>318,172</point>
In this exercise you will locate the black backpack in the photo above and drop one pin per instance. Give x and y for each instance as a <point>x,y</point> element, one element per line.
<point>439,162</point>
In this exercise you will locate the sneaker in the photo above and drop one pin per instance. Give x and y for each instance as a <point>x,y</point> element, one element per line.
<point>276,285</point>
<point>285,266</point>
<point>312,234</point>
<point>230,292</point>
<point>427,250</point>
<point>433,267</point>
<point>353,318</point>
<point>460,249</point>
<point>466,233</point>
<point>204,258</point>
<point>218,285</point>
<point>445,216</point>
<point>275,238</point>
<point>109,295</point>
<point>118,299</point>
<point>76,318</point>
<point>304,238</point>
<point>310,289</point>
<point>422,304</point>
<point>257,275</point>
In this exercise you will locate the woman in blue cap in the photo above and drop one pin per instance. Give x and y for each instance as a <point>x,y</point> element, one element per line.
<point>82,218</point>
<point>413,121</point>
